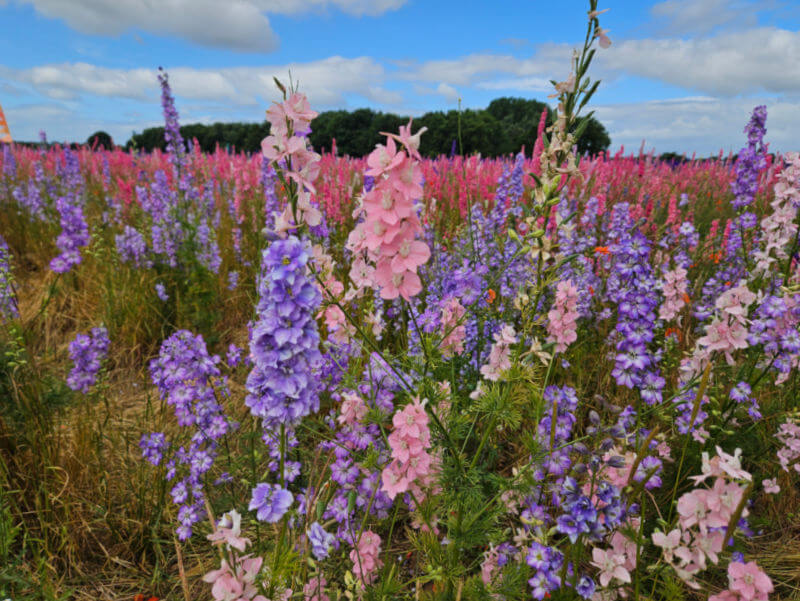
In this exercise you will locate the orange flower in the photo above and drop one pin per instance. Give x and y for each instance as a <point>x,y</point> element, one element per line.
<point>601,250</point>
<point>591,290</point>
<point>671,331</point>
<point>686,298</point>
<point>490,296</point>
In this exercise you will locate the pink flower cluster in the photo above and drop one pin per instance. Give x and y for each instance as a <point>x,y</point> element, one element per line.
<point>778,227</point>
<point>561,324</point>
<point>703,517</point>
<point>500,355</point>
<point>746,582</point>
<point>617,562</point>
<point>237,582</point>
<point>789,454</point>
<point>314,590</point>
<point>490,566</point>
<point>412,467</point>
<point>675,286</point>
<point>454,329</point>
<point>287,145</point>
<point>365,556</point>
<point>728,331</point>
<point>388,232</point>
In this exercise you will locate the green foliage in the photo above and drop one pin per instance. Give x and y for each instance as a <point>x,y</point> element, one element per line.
<point>100,140</point>
<point>502,128</point>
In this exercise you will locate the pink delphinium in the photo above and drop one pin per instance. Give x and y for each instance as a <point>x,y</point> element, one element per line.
<point>489,566</point>
<point>500,355</point>
<point>611,566</point>
<point>236,584</point>
<point>675,286</point>
<point>561,319</point>
<point>789,453</point>
<point>749,581</point>
<point>228,532</point>
<point>454,329</point>
<point>388,233</point>
<point>412,466</point>
<point>365,556</point>
<point>703,517</point>
<point>779,227</point>
<point>353,409</point>
<point>728,331</point>
<point>771,486</point>
<point>287,145</point>
<point>314,590</point>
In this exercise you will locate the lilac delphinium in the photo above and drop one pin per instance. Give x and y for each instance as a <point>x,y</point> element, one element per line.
<point>775,326</point>
<point>189,379</point>
<point>132,247</point>
<point>172,129</point>
<point>743,394</point>
<point>29,195</point>
<point>87,354</point>
<point>161,292</point>
<point>282,388</point>
<point>751,159</point>
<point>8,301</point>
<point>74,234</point>
<point>233,280</point>
<point>546,563</point>
<point>9,161</point>
<point>153,446</point>
<point>74,229</point>
<point>269,179</point>
<point>355,438</point>
<point>579,241</point>
<point>270,502</point>
<point>632,286</point>
<point>321,541</point>
<point>160,202</point>
<point>234,356</point>
<point>207,246</point>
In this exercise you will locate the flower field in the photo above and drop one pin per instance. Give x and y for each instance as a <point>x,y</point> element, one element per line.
<point>304,376</point>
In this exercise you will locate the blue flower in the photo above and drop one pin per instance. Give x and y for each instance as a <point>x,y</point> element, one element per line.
<point>270,502</point>
<point>321,541</point>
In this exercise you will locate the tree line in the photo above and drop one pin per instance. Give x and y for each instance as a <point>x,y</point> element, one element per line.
<point>502,128</point>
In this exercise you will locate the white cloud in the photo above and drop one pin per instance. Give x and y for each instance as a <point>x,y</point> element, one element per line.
<point>240,25</point>
<point>326,82</point>
<point>525,84</point>
<point>449,92</point>
<point>64,124</point>
<point>470,69</point>
<point>757,60</point>
<point>698,124</point>
<point>702,16</point>
<point>351,7</point>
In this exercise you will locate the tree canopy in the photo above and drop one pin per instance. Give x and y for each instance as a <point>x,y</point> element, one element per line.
<point>502,128</point>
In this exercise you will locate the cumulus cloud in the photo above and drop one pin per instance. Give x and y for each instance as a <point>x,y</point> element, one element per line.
<point>471,69</point>
<point>240,25</point>
<point>326,82</point>
<point>743,62</point>
<point>523,84</point>
<point>679,17</point>
<point>698,124</point>
<point>63,123</point>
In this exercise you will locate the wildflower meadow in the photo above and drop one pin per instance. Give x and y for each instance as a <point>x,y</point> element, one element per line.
<point>303,376</point>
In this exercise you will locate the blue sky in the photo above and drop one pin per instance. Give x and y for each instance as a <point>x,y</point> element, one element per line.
<point>681,75</point>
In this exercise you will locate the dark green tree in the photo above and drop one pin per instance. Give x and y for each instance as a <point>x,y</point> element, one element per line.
<point>504,127</point>
<point>100,139</point>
